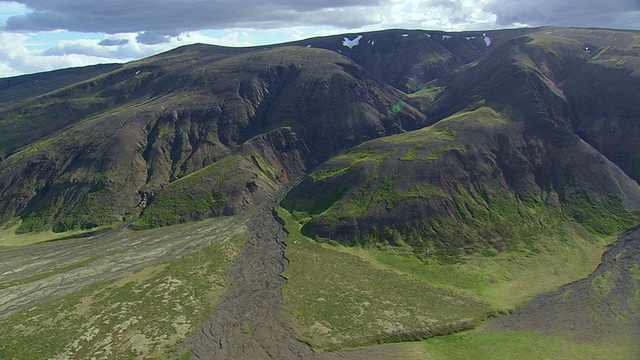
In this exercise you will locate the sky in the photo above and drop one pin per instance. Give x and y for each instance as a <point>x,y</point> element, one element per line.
<point>42,35</point>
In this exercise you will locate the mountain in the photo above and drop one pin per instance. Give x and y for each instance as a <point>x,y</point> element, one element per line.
<point>423,181</point>
<point>246,119</point>
<point>512,151</point>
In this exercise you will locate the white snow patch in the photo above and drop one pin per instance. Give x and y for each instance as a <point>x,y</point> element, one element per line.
<point>137,72</point>
<point>373,42</point>
<point>446,37</point>
<point>351,43</point>
<point>405,35</point>
<point>428,35</point>
<point>487,40</point>
<point>470,37</point>
<point>309,45</point>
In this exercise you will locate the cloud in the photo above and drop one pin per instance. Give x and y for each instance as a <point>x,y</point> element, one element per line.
<point>113,42</point>
<point>437,14</point>
<point>157,20</point>
<point>592,13</point>
<point>170,16</point>
<point>139,28</point>
<point>154,38</point>
<point>17,57</point>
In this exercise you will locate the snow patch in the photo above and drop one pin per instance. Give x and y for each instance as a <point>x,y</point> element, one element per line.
<point>373,42</point>
<point>428,35</point>
<point>487,40</point>
<point>446,37</point>
<point>351,43</point>
<point>309,45</point>
<point>470,37</point>
<point>405,35</point>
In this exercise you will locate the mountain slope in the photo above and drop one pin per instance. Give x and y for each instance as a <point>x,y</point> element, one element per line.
<point>506,160</point>
<point>605,304</point>
<point>466,173</point>
<point>183,111</point>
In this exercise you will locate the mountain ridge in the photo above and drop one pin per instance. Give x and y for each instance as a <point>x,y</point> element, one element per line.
<point>423,182</point>
<point>521,74</point>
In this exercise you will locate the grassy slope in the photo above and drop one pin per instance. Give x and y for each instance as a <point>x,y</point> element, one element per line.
<point>195,195</point>
<point>328,285</point>
<point>338,300</point>
<point>145,314</point>
<point>473,217</point>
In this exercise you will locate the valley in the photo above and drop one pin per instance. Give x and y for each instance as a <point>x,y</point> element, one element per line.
<point>396,194</point>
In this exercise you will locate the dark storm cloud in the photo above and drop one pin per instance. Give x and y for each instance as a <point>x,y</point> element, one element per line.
<point>601,13</point>
<point>170,16</point>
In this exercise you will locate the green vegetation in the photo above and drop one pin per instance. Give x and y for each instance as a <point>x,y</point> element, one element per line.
<point>634,271</point>
<point>147,314</point>
<point>88,213</point>
<point>481,113</point>
<point>41,117</point>
<point>606,216</point>
<point>505,344</point>
<point>195,196</point>
<point>553,44</point>
<point>426,94</point>
<point>339,300</point>
<point>603,284</point>
<point>339,286</point>
<point>463,219</point>
<point>502,249</point>
<point>506,279</point>
<point>9,236</point>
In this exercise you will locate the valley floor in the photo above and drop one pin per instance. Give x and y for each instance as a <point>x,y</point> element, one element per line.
<point>151,294</point>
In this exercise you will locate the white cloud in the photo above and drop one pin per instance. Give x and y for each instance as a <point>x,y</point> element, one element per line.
<point>17,56</point>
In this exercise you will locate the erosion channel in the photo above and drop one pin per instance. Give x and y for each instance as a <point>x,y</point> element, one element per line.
<point>248,322</point>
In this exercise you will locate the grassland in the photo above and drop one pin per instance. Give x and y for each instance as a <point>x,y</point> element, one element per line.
<point>146,314</point>
<point>351,296</point>
<point>338,300</point>
<point>503,344</point>
<point>9,236</point>
<point>543,251</point>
